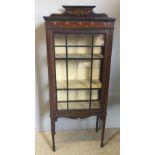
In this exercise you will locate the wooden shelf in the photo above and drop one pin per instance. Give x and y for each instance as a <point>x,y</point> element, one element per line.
<point>79,56</point>
<point>78,105</point>
<point>93,100</point>
<point>78,84</point>
<point>90,46</point>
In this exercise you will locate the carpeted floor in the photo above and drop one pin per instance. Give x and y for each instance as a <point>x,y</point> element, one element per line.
<point>79,142</point>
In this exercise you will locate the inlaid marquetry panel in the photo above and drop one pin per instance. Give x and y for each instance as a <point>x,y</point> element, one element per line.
<point>78,24</point>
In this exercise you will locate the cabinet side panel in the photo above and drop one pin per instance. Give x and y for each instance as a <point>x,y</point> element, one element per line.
<point>51,72</point>
<point>106,68</point>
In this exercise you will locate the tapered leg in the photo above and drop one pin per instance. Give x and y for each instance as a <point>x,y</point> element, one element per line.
<point>97,118</point>
<point>103,129</point>
<point>53,132</point>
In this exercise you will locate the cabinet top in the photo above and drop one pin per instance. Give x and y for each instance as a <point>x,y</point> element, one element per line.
<point>79,13</point>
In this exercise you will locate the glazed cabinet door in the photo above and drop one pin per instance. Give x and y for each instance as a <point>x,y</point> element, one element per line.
<point>78,61</point>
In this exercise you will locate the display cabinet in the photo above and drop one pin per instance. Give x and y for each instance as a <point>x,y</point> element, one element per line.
<point>79,46</point>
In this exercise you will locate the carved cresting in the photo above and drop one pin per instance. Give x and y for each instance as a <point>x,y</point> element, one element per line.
<point>79,17</point>
<point>78,11</point>
<point>81,11</point>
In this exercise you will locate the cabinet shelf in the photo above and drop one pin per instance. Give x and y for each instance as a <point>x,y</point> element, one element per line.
<point>78,105</point>
<point>78,84</point>
<point>78,56</point>
<point>63,101</point>
<point>79,46</point>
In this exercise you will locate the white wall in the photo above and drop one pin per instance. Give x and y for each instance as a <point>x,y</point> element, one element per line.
<point>45,8</point>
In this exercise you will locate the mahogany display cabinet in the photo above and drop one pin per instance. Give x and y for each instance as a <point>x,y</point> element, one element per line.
<point>79,47</point>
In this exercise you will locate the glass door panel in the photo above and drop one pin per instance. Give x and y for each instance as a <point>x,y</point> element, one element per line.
<point>78,82</point>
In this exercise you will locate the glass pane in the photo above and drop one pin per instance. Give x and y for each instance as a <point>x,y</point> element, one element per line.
<point>95,104</point>
<point>96,69</point>
<point>61,95</point>
<point>62,106</point>
<point>83,70</point>
<point>60,51</point>
<point>95,95</point>
<point>78,105</point>
<point>79,50</point>
<point>79,74</point>
<point>79,39</point>
<point>60,70</point>
<point>79,95</point>
<point>59,39</point>
<point>97,50</point>
<point>99,39</point>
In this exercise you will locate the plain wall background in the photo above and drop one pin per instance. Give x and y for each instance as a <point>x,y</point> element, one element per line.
<point>45,8</point>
